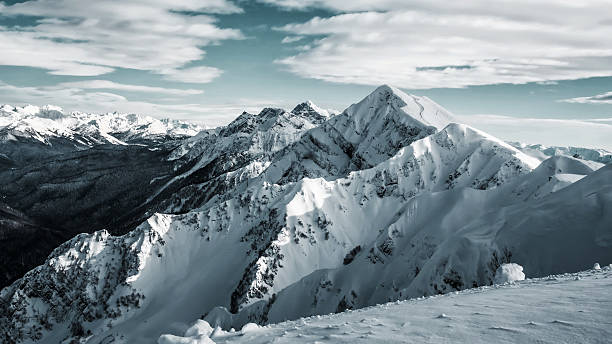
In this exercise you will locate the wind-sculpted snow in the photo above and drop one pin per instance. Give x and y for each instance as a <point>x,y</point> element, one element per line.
<point>554,309</point>
<point>288,214</point>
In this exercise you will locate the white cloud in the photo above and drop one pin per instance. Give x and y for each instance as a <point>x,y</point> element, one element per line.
<point>106,84</point>
<point>604,98</point>
<point>428,44</point>
<point>291,39</point>
<point>74,38</point>
<point>78,96</point>
<point>591,133</point>
<point>201,74</point>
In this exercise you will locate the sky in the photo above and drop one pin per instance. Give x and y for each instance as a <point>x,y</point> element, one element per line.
<point>524,70</point>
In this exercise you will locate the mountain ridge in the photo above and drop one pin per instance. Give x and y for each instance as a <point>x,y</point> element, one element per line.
<point>286,214</point>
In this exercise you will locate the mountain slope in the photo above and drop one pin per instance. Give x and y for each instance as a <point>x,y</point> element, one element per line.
<point>69,173</point>
<point>73,188</point>
<point>433,247</point>
<point>24,243</point>
<point>219,160</point>
<point>286,214</point>
<point>253,243</point>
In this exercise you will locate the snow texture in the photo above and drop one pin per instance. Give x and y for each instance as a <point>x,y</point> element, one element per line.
<point>508,273</point>
<point>568,308</point>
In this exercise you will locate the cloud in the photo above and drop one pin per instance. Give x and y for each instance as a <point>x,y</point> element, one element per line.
<point>69,38</point>
<point>338,5</point>
<point>590,133</point>
<point>604,98</point>
<point>429,44</point>
<point>106,84</point>
<point>83,96</point>
<point>291,39</point>
<point>202,74</point>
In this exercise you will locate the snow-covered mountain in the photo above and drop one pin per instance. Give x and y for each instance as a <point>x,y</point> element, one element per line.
<point>31,133</point>
<point>537,150</point>
<point>43,123</point>
<point>287,214</point>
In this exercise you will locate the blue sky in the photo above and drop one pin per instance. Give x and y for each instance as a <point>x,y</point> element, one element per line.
<point>523,70</point>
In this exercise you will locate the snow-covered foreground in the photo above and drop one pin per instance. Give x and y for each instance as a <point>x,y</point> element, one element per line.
<point>568,308</point>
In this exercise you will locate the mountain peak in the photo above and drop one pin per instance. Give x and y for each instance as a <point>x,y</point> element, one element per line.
<point>419,108</point>
<point>51,112</point>
<point>389,89</point>
<point>310,108</point>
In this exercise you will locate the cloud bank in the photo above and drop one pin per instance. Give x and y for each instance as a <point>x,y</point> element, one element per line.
<point>73,38</point>
<point>428,44</point>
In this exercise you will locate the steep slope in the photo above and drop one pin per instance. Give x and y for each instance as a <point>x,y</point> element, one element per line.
<point>537,310</point>
<point>433,247</point>
<point>362,136</point>
<point>69,173</point>
<point>551,175</point>
<point>215,161</point>
<point>73,187</point>
<point>71,193</point>
<point>23,243</point>
<point>278,147</point>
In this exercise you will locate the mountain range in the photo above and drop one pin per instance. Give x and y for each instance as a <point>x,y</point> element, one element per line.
<point>276,216</point>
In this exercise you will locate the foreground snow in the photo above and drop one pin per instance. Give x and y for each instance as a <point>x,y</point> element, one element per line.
<point>557,309</point>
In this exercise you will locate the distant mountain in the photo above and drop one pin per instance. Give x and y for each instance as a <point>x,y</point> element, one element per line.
<point>286,214</point>
<point>30,133</point>
<point>598,155</point>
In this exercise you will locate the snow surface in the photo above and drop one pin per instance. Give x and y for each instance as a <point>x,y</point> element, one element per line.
<point>567,308</point>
